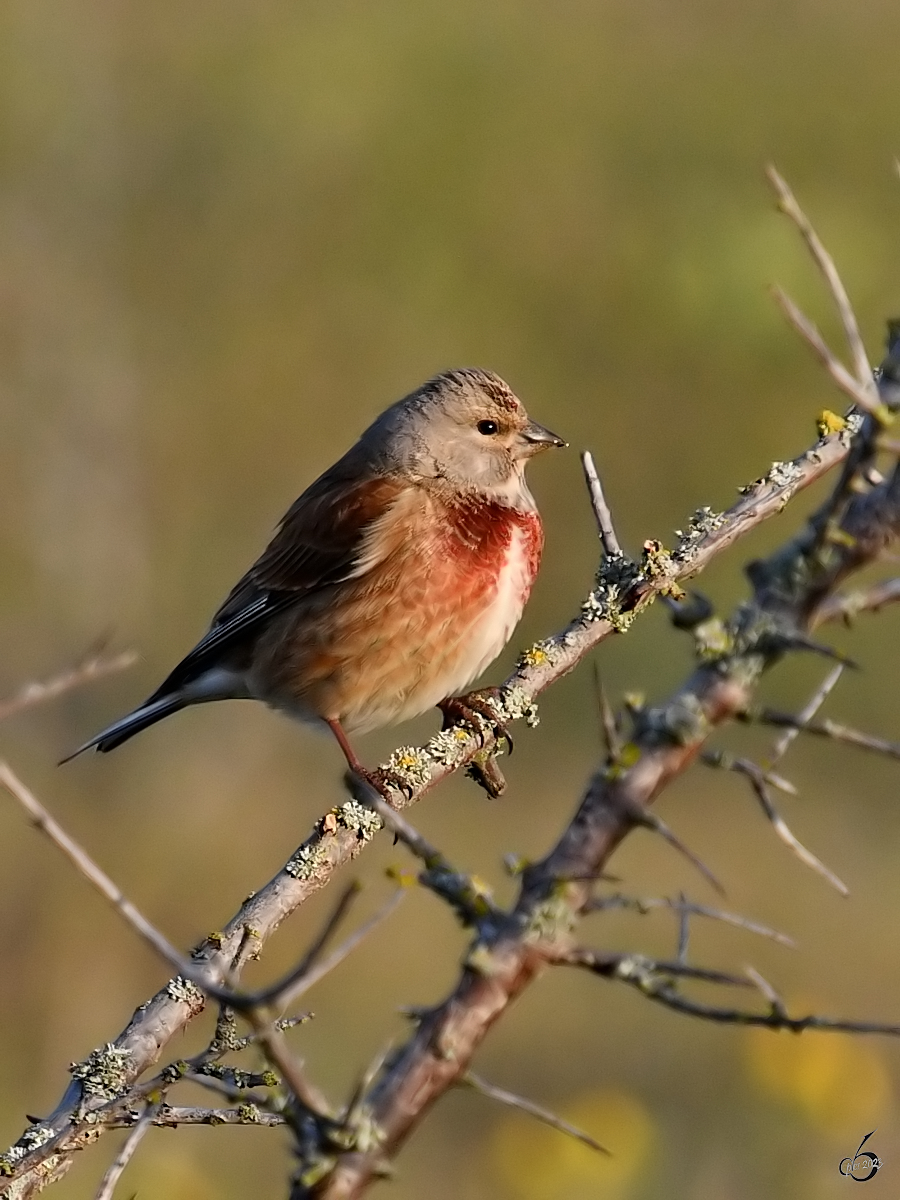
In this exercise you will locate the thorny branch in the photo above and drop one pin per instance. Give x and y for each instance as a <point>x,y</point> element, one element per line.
<point>792,592</point>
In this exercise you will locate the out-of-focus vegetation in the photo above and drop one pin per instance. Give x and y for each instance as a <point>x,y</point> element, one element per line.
<point>230,233</point>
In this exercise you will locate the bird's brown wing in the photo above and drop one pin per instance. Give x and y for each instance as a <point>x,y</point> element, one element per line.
<point>322,539</point>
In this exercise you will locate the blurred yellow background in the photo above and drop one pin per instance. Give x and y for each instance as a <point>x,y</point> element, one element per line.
<point>230,234</point>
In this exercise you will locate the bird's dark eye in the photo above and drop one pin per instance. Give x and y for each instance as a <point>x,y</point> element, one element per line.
<point>487,427</point>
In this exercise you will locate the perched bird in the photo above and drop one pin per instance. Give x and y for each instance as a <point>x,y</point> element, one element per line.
<point>391,583</point>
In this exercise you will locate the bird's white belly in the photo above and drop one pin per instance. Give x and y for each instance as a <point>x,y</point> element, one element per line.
<point>482,642</point>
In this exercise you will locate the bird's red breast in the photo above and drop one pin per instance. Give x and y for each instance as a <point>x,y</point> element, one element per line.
<point>431,597</point>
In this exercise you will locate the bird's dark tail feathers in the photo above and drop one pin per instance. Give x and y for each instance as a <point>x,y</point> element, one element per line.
<point>120,731</point>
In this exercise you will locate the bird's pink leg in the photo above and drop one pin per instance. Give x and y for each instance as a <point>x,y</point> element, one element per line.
<point>373,778</point>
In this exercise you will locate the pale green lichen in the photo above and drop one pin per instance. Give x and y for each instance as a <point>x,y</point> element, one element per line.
<point>551,919</point>
<point>704,522</point>
<point>542,654</point>
<point>368,1135</point>
<point>359,818</point>
<point>36,1136</point>
<point>446,747</point>
<point>187,992</point>
<point>517,705</point>
<point>637,969</point>
<point>712,639</point>
<point>248,1114</point>
<point>656,561</point>
<point>682,721</point>
<point>784,474</point>
<point>104,1072</point>
<point>306,861</point>
<point>853,423</point>
<point>616,576</point>
<point>410,767</point>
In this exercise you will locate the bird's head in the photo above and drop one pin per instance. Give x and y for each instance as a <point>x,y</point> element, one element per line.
<point>465,426</point>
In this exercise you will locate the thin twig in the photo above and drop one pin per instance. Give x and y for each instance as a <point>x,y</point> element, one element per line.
<point>846,607</point>
<point>651,820</point>
<point>297,982</point>
<point>41,691</point>
<point>849,386</point>
<point>638,967</point>
<point>611,546</point>
<point>793,844</point>
<point>222,1087</point>
<point>123,1158</point>
<point>762,984</point>
<point>274,1046</point>
<point>809,710</point>
<point>787,202</point>
<point>644,904</point>
<point>83,862</point>
<point>533,1110</point>
<point>611,736</point>
<point>684,928</point>
<point>829,729</point>
<point>653,980</point>
<point>745,766</point>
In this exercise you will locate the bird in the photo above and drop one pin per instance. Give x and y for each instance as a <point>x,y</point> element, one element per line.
<point>390,584</point>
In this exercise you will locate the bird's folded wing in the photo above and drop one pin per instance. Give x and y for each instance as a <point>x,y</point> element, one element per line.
<point>332,532</point>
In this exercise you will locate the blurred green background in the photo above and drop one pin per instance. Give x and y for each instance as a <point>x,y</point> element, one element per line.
<point>231,233</point>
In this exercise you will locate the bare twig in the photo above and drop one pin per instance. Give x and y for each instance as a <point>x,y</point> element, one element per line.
<point>828,729</point>
<point>652,820</point>
<point>793,844</point>
<point>788,204</point>
<point>125,1155</point>
<point>637,967</point>
<point>611,546</point>
<point>82,861</point>
<point>654,980</point>
<point>644,904</point>
<point>299,981</point>
<point>809,710</point>
<point>40,692</point>
<point>745,766</point>
<point>684,928</point>
<point>851,604</point>
<point>851,387</point>
<point>470,1079</point>
<point>762,984</point>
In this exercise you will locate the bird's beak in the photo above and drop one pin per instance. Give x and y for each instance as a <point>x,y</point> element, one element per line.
<point>538,438</point>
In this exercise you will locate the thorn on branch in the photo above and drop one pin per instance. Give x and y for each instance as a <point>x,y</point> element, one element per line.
<point>533,1110</point>
<point>724,761</point>
<point>612,736</point>
<point>776,1004</point>
<point>612,547</point>
<point>758,783</point>
<point>651,820</point>
<point>806,714</point>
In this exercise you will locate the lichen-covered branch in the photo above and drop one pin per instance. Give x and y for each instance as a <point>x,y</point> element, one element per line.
<point>511,950</point>
<point>623,589</point>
